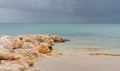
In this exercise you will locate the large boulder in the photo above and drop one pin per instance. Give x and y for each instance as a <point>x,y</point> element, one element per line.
<point>44,48</point>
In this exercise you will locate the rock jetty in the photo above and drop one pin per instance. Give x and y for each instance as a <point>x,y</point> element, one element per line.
<point>18,53</point>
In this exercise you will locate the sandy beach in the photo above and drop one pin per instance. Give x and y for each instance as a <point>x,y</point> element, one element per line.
<point>79,63</point>
<point>59,35</point>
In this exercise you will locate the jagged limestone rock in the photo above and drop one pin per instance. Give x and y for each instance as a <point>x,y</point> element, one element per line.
<point>19,52</point>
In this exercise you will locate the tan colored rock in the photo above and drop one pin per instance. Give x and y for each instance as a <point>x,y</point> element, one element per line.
<point>5,54</point>
<point>6,43</point>
<point>43,49</point>
<point>20,52</point>
<point>28,53</point>
<point>9,66</point>
<point>32,41</point>
<point>28,45</point>
<point>17,44</point>
<point>23,62</point>
<point>58,39</point>
<point>9,47</point>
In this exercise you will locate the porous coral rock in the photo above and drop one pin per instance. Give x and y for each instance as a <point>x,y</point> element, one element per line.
<point>20,51</point>
<point>44,49</point>
<point>5,54</point>
<point>10,66</point>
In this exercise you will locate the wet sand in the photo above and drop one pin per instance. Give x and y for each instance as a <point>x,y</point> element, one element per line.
<point>79,63</point>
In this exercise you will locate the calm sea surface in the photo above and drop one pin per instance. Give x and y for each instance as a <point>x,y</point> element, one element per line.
<point>84,37</point>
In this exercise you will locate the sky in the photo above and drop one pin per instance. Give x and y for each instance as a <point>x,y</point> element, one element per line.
<point>59,11</point>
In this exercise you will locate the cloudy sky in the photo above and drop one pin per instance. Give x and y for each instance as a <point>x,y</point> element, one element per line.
<point>60,11</point>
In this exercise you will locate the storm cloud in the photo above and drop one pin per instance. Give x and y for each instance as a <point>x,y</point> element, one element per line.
<point>60,11</point>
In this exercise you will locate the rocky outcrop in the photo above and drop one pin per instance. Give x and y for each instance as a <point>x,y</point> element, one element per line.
<point>18,53</point>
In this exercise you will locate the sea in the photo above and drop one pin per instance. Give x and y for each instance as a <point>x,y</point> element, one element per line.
<point>84,38</point>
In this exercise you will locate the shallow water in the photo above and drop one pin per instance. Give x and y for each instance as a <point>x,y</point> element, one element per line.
<point>105,37</point>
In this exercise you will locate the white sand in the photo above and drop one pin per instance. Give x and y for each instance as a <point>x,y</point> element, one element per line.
<point>79,63</point>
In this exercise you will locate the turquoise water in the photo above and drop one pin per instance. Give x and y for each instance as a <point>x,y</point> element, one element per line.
<point>105,36</point>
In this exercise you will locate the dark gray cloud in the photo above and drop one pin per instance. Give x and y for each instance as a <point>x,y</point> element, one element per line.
<point>60,11</point>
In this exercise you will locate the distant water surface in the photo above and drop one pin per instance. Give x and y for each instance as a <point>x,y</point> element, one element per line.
<point>84,37</point>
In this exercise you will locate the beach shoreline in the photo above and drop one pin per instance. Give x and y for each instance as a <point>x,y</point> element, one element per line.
<point>37,53</point>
